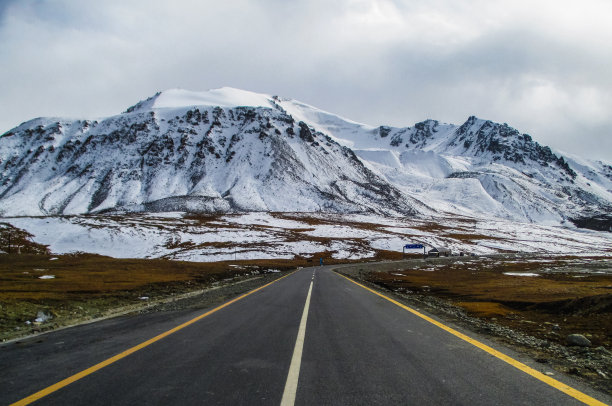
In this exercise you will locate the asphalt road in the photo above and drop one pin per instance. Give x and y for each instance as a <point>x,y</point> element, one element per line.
<point>358,349</point>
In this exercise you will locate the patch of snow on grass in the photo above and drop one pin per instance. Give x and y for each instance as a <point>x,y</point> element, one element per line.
<point>268,236</point>
<point>337,231</point>
<point>166,215</point>
<point>531,274</point>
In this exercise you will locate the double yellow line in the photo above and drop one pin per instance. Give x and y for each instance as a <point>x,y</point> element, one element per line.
<point>576,394</point>
<point>53,388</point>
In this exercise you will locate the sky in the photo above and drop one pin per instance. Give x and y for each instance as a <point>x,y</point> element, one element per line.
<point>541,66</point>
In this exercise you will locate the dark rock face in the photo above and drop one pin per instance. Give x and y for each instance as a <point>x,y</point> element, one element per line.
<point>506,143</point>
<point>384,131</point>
<point>416,137</point>
<point>464,175</point>
<point>602,222</point>
<point>305,133</point>
<point>422,133</point>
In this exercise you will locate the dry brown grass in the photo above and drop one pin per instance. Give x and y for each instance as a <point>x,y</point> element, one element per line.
<point>92,275</point>
<point>481,282</point>
<point>88,275</point>
<point>432,228</point>
<point>310,219</point>
<point>532,304</point>
<point>465,237</point>
<point>485,309</point>
<point>337,220</point>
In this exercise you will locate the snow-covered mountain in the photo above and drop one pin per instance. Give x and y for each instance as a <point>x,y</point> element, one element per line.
<point>223,150</point>
<point>479,168</point>
<point>233,150</point>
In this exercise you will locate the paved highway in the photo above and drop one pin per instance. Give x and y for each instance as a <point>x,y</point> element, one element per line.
<point>310,338</point>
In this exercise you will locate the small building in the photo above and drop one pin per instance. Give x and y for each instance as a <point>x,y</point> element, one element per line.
<point>439,252</point>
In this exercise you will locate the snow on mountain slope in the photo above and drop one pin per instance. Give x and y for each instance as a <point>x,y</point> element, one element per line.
<point>527,182</point>
<point>165,154</point>
<point>223,97</point>
<point>344,131</point>
<point>232,150</point>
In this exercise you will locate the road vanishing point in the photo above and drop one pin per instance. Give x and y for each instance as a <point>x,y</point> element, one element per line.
<point>312,337</point>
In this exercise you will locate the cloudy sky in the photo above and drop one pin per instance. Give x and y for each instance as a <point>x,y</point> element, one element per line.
<point>541,66</point>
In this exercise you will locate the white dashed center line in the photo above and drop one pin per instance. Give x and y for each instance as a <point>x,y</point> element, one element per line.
<point>296,360</point>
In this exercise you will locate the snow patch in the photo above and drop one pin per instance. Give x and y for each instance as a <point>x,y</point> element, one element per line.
<point>222,97</point>
<point>530,274</point>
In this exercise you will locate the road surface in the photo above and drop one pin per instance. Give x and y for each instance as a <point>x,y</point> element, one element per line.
<point>310,338</point>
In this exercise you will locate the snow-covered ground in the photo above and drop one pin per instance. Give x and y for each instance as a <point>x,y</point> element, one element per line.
<point>284,235</point>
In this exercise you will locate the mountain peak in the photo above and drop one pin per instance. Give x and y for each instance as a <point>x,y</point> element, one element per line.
<point>221,97</point>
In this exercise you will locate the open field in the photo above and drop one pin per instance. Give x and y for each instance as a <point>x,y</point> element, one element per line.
<point>251,236</point>
<point>179,252</point>
<point>41,292</point>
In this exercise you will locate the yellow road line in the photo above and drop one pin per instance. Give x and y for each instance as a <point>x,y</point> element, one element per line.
<point>576,394</point>
<point>48,390</point>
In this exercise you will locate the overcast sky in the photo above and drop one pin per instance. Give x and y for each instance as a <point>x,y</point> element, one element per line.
<point>543,67</point>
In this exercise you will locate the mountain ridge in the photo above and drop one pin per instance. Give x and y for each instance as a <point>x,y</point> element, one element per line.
<point>233,150</point>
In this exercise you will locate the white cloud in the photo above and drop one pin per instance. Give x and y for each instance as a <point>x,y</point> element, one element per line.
<point>539,66</point>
